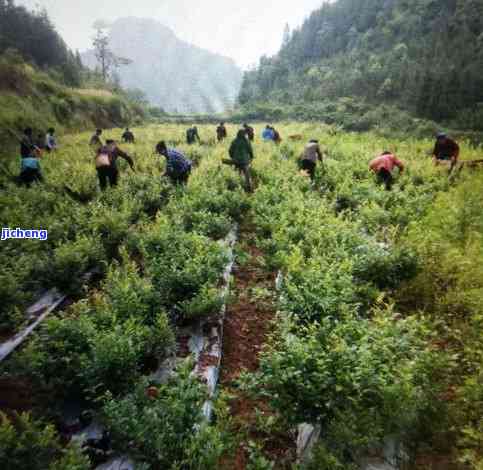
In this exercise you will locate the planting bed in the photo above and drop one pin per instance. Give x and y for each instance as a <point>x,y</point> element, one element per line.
<point>372,337</point>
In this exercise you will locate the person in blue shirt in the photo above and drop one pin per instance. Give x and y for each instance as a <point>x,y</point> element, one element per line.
<point>268,133</point>
<point>30,169</point>
<point>178,167</point>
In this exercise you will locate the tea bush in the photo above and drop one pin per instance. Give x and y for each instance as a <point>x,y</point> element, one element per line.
<point>28,443</point>
<point>184,268</point>
<point>165,429</point>
<point>338,360</point>
<point>379,301</point>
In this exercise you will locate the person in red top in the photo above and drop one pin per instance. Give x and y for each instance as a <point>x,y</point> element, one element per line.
<point>383,165</point>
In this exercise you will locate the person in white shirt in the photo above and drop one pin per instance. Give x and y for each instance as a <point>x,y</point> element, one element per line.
<point>50,140</point>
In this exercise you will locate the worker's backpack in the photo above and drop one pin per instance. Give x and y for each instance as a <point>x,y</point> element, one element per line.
<point>103,160</point>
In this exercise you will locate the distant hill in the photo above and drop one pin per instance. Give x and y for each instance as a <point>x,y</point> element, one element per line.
<point>422,56</point>
<point>175,75</point>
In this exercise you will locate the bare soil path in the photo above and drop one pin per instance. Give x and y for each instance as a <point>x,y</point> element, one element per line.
<point>248,324</point>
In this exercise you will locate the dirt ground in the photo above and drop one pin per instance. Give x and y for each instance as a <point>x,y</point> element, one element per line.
<point>248,324</point>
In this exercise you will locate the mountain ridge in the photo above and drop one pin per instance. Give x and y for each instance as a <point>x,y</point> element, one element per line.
<point>174,74</point>
<point>424,57</point>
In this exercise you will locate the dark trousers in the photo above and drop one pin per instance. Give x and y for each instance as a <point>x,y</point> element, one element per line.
<point>384,177</point>
<point>181,178</point>
<point>309,166</point>
<point>105,174</point>
<point>244,170</point>
<point>29,176</point>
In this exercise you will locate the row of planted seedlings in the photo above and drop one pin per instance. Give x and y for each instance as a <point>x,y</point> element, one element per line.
<point>95,361</point>
<point>85,227</point>
<point>343,360</point>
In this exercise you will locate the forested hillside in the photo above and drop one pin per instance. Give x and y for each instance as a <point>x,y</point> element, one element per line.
<point>35,38</point>
<point>173,74</point>
<point>424,56</point>
<point>43,83</point>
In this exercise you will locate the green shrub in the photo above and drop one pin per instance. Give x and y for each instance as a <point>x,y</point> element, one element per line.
<point>114,361</point>
<point>26,443</point>
<point>181,266</point>
<point>131,295</point>
<point>366,379</point>
<point>314,289</point>
<point>166,431</point>
<point>72,260</point>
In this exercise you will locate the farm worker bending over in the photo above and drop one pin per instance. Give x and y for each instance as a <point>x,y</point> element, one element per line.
<point>128,136</point>
<point>50,140</point>
<point>241,154</point>
<point>192,135</point>
<point>106,163</point>
<point>383,165</point>
<point>40,142</point>
<point>276,136</point>
<point>249,131</point>
<point>30,169</point>
<point>96,139</point>
<point>445,150</point>
<point>27,143</point>
<point>221,133</point>
<point>268,133</point>
<point>309,157</point>
<point>178,167</point>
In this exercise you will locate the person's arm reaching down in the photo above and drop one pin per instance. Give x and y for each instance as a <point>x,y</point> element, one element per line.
<point>126,157</point>
<point>319,153</point>
<point>399,164</point>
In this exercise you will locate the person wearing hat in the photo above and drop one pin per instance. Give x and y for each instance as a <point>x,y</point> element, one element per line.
<point>446,150</point>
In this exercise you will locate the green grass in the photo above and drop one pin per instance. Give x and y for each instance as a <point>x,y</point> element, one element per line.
<point>31,98</point>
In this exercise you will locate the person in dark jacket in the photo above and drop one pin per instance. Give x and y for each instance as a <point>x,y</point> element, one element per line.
<point>445,150</point>
<point>276,136</point>
<point>192,135</point>
<point>221,133</point>
<point>106,163</point>
<point>249,131</point>
<point>128,136</point>
<point>309,157</point>
<point>27,145</point>
<point>178,167</point>
<point>40,141</point>
<point>241,155</point>
<point>96,139</point>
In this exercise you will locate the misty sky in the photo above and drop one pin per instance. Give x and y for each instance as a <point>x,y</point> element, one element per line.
<point>243,30</point>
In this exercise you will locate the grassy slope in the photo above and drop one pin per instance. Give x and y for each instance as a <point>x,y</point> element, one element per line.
<point>32,98</point>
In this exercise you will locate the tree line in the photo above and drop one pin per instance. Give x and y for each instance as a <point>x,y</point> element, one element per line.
<point>33,35</point>
<point>424,56</point>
